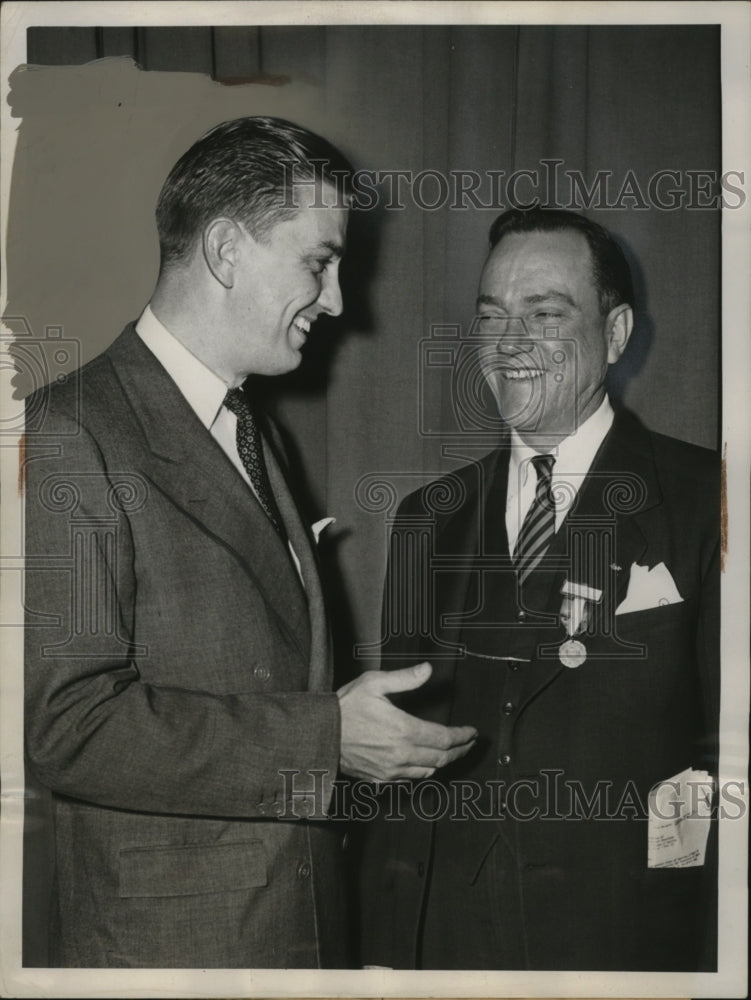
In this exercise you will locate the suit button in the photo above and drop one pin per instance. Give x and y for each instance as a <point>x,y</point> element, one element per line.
<point>508,708</point>
<point>421,868</point>
<point>261,673</point>
<point>513,665</point>
<point>303,870</point>
<point>504,759</point>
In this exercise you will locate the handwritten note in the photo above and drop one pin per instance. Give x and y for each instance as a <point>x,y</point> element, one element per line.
<point>680,810</point>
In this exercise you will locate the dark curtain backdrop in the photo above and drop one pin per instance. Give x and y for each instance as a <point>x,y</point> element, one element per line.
<point>412,98</point>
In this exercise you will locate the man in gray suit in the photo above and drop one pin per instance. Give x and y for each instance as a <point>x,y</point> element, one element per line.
<point>178,684</point>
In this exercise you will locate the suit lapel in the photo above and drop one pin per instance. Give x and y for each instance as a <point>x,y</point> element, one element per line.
<point>320,677</point>
<point>189,467</point>
<point>617,500</point>
<point>464,534</point>
<point>622,490</point>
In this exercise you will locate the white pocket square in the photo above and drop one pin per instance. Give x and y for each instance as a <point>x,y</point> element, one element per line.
<point>320,526</point>
<point>648,588</point>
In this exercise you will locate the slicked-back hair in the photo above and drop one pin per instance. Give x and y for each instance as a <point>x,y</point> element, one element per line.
<point>245,170</point>
<point>611,272</point>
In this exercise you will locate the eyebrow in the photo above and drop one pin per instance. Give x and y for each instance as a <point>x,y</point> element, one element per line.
<point>334,248</point>
<point>491,300</point>
<point>550,294</point>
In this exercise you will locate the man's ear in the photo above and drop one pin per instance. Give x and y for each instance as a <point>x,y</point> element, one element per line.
<point>221,249</point>
<point>618,327</point>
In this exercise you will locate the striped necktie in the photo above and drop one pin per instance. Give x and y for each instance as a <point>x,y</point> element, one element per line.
<point>537,531</point>
<point>250,449</point>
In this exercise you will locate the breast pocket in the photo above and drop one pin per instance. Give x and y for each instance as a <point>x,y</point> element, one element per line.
<point>665,630</point>
<point>191,869</point>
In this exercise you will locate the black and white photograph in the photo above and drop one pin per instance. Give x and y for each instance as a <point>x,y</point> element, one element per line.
<point>375,451</point>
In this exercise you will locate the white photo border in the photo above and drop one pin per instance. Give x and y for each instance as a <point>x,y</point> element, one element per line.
<point>730,980</point>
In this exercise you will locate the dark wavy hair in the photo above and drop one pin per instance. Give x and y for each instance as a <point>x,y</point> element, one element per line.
<point>244,169</point>
<point>611,272</point>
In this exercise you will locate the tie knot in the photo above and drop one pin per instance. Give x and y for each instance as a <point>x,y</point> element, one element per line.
<point>544,467</point>
<point>236,402</point>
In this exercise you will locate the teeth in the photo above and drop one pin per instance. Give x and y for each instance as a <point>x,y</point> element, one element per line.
<point>303,324</point>
<point>522,373</point>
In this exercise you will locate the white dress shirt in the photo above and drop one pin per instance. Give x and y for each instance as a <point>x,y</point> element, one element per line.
<point>573,457</point>
<point>202,388</point>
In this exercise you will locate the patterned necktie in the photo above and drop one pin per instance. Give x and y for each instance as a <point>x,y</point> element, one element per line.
<point>250,449</point>
<point>537,531</point>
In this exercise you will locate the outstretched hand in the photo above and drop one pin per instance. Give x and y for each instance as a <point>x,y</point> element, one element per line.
<point>380,742</point>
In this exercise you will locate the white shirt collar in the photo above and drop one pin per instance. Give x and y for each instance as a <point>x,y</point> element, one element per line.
<point>573,455</point>
<point>203,389</point>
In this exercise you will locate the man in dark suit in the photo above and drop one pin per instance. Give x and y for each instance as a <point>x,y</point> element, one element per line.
<point>570,581</point>
<point>178,684</point>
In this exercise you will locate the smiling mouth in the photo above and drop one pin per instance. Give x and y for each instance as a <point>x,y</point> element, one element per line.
<point>302,324</point>
<point>517,374</point>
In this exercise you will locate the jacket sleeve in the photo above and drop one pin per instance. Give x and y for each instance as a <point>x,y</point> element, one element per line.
<point>95,730</point>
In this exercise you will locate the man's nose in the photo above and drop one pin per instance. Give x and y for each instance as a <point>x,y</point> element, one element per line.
<point>330,299</point>
<point>513,336</point>
<point>515,346</point>
<point>511,333</point>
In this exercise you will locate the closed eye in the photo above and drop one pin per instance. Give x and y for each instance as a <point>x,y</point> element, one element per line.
<point>319,265</point>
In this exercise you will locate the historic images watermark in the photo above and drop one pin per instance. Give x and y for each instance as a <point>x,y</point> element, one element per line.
<point>549,184</point>
<point>548,795</point>
<point>36,362</point>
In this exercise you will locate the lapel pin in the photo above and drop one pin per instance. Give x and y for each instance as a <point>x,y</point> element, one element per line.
<point>615,567</point>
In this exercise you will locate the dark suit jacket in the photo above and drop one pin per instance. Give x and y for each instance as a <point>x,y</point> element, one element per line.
<point>571,893</point>
<point>175,668</point>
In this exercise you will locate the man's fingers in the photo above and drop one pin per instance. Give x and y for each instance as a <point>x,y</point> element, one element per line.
<point>380,741</point>
<point>436,759</point>
<point>408,773</point>
<point>456,752</point>
<point>406,679</point>
<point>435,736</point>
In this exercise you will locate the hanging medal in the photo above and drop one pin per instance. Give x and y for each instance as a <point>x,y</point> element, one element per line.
<point>575,613</point>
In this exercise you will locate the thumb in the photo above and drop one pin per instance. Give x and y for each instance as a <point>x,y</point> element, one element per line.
<point>405,679</point>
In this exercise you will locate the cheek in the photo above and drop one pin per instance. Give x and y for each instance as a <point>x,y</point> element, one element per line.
<point>258,296</point>
<point>592,351</point>
<point>295,292</point>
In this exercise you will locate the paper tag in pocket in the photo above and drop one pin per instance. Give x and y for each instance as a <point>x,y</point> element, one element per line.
<point>680,812</point>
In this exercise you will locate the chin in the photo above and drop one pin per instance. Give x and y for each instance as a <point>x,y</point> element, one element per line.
<point>275,367</point>
<point>290,363</point>
<point>521,409</point>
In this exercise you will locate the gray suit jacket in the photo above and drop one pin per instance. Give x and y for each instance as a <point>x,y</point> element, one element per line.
<point>176,669</point>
